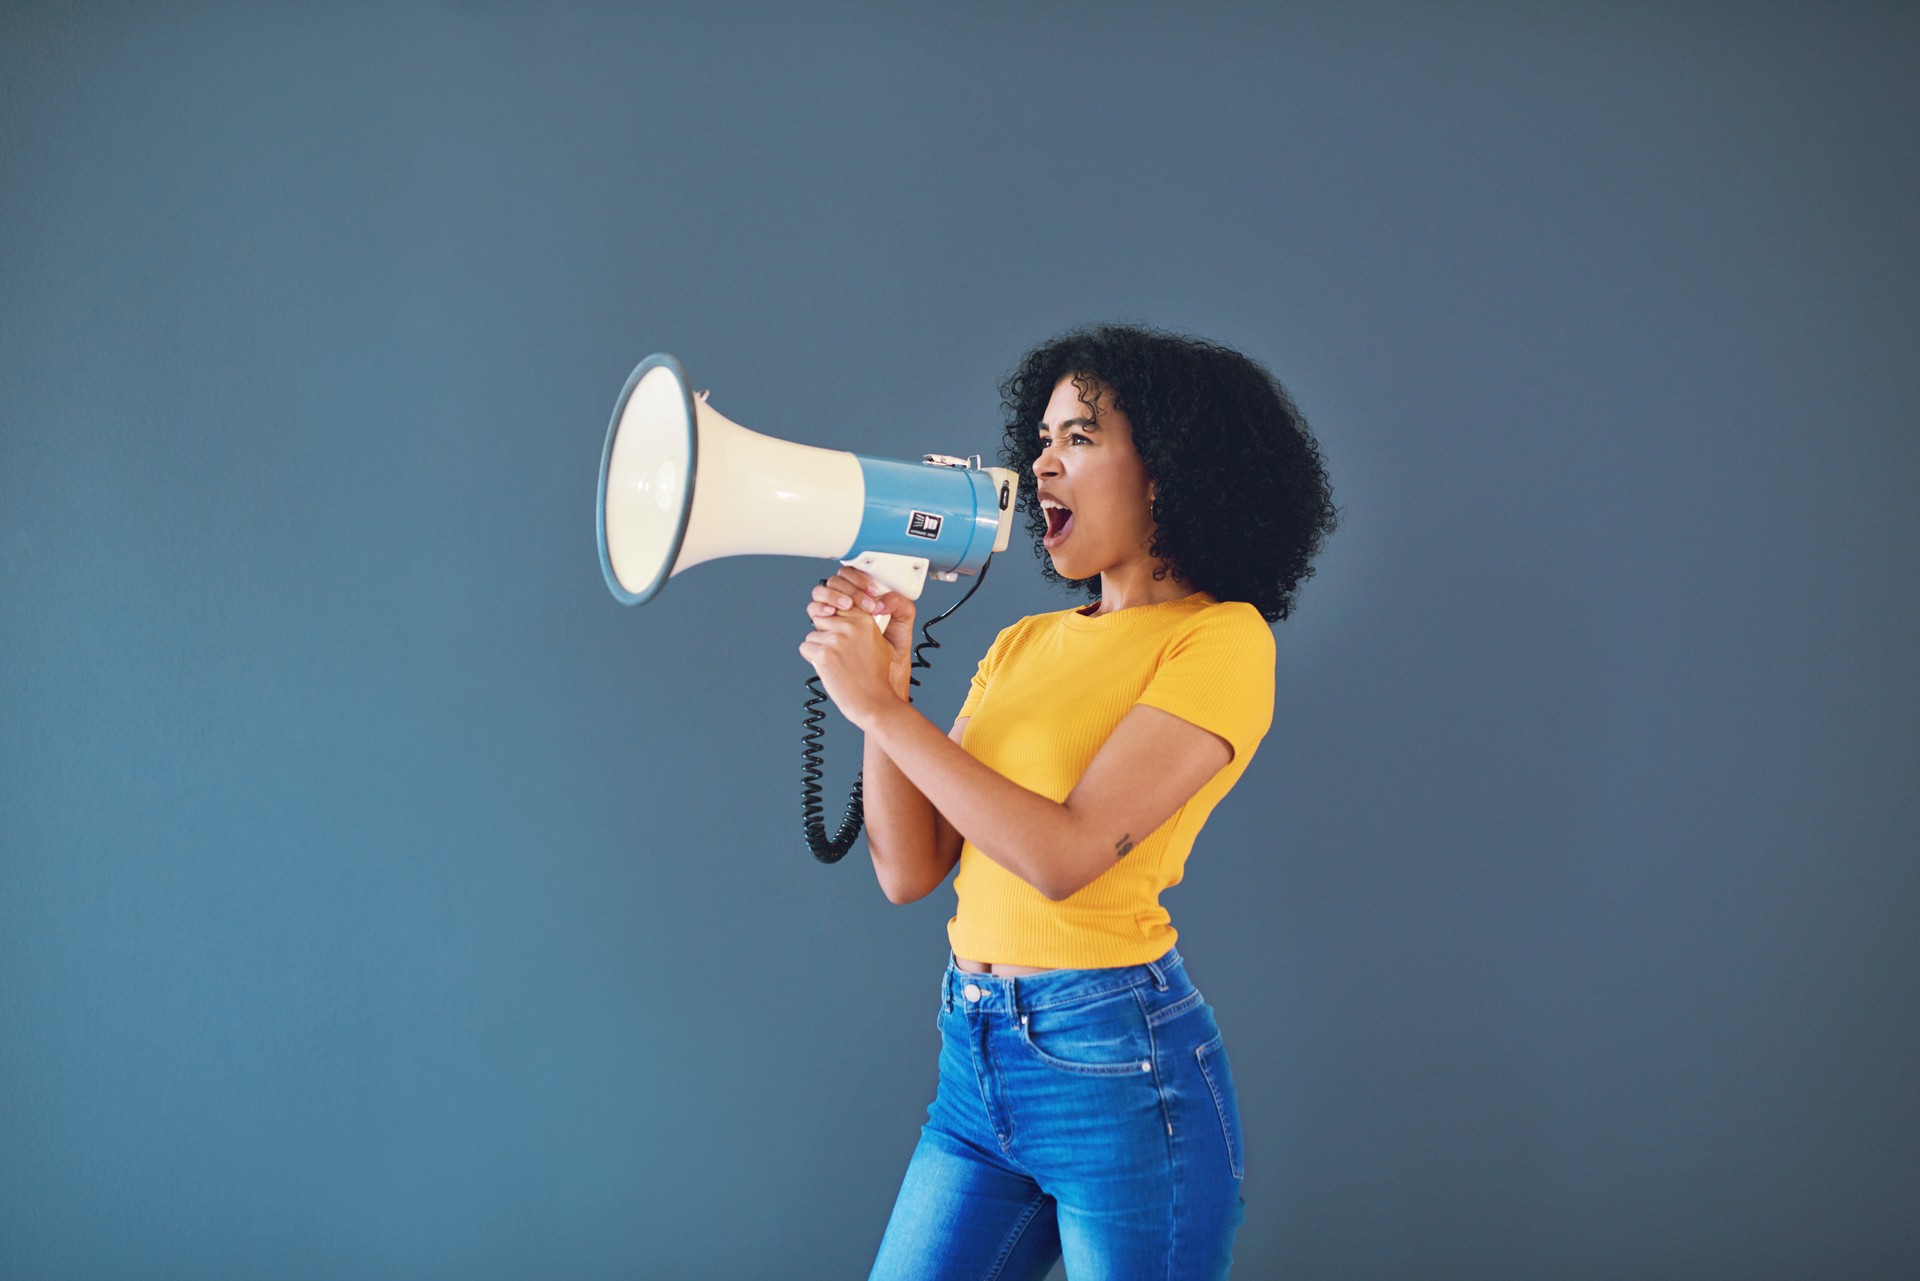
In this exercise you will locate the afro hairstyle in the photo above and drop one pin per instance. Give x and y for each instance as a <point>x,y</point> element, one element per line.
<point>1242,499</point>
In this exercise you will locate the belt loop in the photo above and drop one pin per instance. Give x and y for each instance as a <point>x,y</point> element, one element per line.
<point>1159,975</point>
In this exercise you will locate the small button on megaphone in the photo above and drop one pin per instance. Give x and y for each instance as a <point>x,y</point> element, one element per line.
<point>680,483</point>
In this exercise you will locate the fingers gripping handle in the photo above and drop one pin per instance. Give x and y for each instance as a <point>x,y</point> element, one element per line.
<point>904,574</point>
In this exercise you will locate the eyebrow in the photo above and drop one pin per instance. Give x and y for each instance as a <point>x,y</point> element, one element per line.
<point>1088,423</point>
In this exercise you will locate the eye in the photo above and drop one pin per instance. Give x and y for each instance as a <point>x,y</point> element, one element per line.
<point>1071,436</point>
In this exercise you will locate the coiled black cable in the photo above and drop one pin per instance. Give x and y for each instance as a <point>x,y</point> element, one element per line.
<point>832,850</point>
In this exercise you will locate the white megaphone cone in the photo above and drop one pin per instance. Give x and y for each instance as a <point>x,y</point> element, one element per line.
<point>681,483</point>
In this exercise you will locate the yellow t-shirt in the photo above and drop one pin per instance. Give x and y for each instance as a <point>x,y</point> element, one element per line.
<point>1049,692</point>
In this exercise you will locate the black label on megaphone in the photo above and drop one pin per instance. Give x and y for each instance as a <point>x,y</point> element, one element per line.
<point>924,525</point>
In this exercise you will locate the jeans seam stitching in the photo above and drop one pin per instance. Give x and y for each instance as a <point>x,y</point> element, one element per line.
<point>1177,963</point>
<point>1236,1168</point>
<point>1088,995</point>
<point>1130,1067</point>
<point>1097,1069</point>
<point>1159,1085</point>
<point>1179,1007</point>
<point>1013,1237</point>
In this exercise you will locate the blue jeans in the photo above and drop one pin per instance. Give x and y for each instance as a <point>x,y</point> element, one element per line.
<point>1084,1114</point>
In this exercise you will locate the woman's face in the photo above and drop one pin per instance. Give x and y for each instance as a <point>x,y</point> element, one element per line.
<point>1087,464</point>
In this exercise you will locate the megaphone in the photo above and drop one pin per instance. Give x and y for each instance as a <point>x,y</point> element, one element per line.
<point>682,484</point>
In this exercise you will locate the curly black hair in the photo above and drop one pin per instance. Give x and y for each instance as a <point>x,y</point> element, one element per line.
<point>1242,499</point>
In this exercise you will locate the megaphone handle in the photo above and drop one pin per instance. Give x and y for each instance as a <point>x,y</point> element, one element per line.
<point>904,574</point>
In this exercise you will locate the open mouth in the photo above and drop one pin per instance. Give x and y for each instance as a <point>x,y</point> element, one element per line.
<point>1059,525</point>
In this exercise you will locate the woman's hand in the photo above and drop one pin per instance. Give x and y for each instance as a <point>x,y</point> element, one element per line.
<point>860,589</point>
<point>861,670</point>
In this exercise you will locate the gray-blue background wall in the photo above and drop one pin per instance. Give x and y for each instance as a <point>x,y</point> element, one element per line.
<point>379,899</point>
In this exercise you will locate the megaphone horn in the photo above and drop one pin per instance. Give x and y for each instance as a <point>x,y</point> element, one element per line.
<point>681,483</point>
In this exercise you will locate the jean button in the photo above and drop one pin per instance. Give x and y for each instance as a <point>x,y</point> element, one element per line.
<point>972,991</point>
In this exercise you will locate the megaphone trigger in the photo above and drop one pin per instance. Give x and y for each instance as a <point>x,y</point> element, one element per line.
<point>895,573</point>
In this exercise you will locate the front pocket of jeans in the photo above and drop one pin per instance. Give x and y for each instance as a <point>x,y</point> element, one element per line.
<point>1104,1036</point>
<point>1219,1074</point>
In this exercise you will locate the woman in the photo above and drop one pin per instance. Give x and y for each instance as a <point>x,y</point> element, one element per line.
<point>1085,1107</point>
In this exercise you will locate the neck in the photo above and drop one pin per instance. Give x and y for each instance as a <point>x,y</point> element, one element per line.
<point>1126,586</point>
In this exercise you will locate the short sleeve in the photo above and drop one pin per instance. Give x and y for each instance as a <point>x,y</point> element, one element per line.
<point>1218,674</point>
<point>984,673</point>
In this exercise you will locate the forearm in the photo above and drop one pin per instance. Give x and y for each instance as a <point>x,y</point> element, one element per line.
<point>1026,833</point>
<point>900,824</point>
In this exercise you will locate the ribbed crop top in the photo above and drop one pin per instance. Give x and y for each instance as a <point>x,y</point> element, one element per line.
<point>1049,692</point>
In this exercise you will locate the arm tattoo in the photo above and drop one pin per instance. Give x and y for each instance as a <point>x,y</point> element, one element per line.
<point>1122,846</point>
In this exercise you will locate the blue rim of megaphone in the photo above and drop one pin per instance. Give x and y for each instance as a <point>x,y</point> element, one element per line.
<point>652,589</point>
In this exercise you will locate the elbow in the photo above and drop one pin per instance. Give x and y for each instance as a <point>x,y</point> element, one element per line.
<point>1055,888</point>
<point>901,887</point>
<point>901,895</point>
<point>1061,878</point>
<point>897,889</point>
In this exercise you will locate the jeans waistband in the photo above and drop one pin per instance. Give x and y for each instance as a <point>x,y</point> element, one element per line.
<point>1014,993</point>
